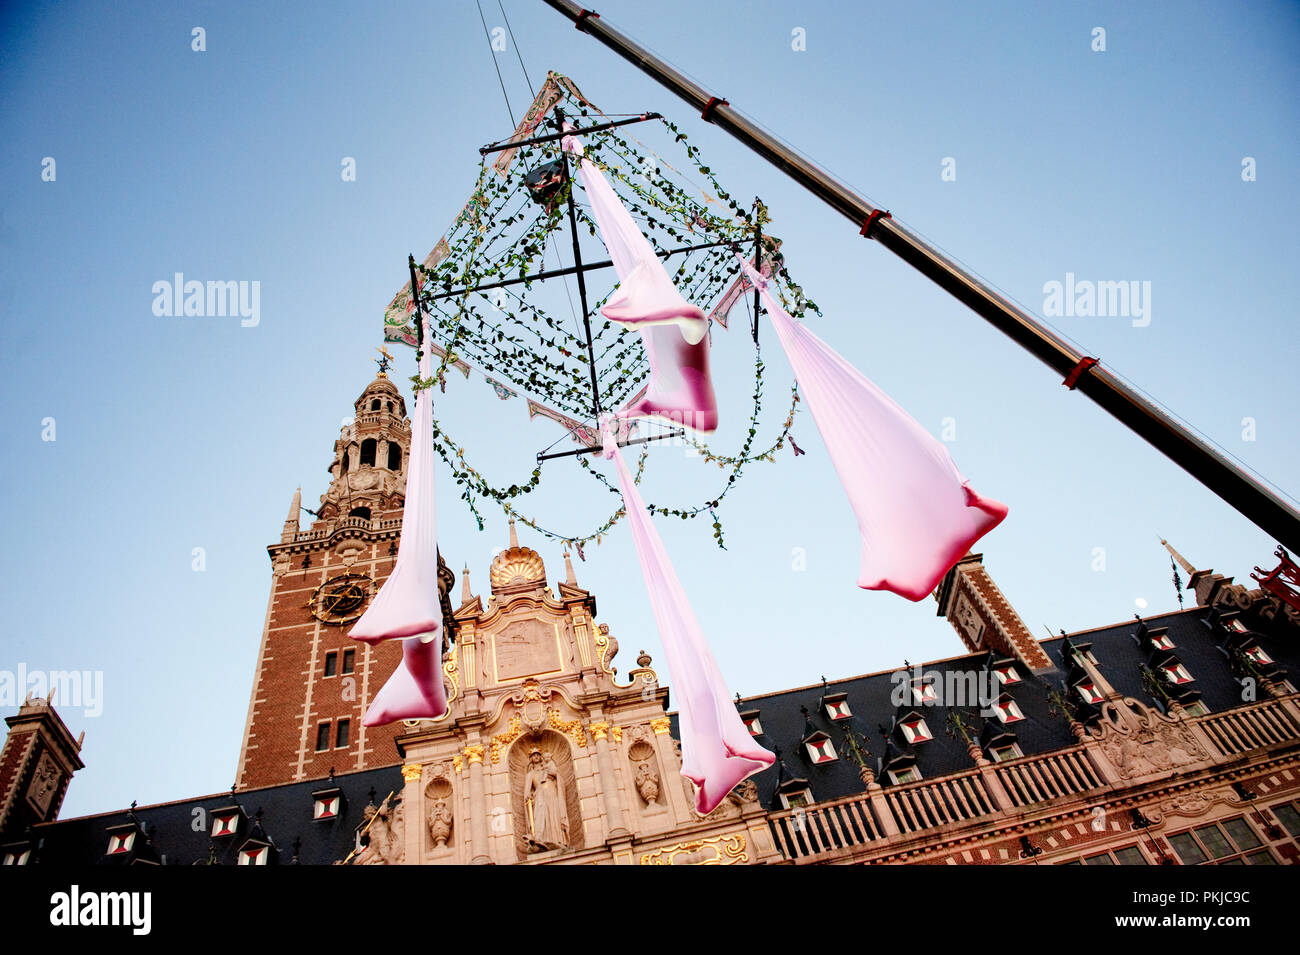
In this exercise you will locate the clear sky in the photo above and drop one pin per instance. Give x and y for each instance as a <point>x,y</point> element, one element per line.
<point>172,434</point>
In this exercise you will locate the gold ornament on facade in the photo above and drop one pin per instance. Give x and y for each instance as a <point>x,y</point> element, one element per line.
<point>458,762</point>
<point>474,754</point>
<point>617,733</point>
<point>412,772</point>
<point>502,740</point>
<point>720,850</point>
<point>599,730</point>
<point>573,728</point>
<point>516,566</point>
<point>661,726</point>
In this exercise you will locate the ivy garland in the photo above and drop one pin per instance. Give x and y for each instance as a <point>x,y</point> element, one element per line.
<point>538,353</point>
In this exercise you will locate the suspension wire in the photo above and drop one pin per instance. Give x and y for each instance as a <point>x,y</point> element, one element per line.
<point>487,33</point>
<point>518,52</point>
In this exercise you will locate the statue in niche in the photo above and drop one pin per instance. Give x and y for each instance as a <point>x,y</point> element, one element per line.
<point>440,820</point>
<point>547,807</point>
<point>647,783</point>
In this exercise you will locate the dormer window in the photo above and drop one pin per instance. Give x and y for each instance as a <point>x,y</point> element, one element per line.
<point>923,692</point>
<point>1006,709</point>
<point>794,794</point>
<point>836,706</point>
<point>1256,654</point>
<point>15,855</point>
<point>1161,641</point>
<point>1088,690</point>
<point>1002,753</point>
<point>908,774</point>
<point>752,723</point>
<point>1175,672</point>
<point>820,749</point>
<point>326,804</point>
<point>254,853</point>
<point>1007,674</point>
<point>915,730</point>
<point>225,822</point>
<point>121,841</point>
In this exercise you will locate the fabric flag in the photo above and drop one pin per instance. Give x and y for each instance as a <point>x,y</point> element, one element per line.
<point>673,331</point>
<point>717,750</point>
<point>916,512</point>
<point>407,605</point>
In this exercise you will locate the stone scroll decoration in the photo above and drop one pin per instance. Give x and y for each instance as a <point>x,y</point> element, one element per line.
<point>1140,741</point>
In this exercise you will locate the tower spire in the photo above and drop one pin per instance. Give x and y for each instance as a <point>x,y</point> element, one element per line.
<point>1182,561</point>
<point>291,526</point>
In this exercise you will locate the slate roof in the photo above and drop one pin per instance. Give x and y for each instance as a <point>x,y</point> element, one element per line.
<point>872,701</point>
<point>286,816</point>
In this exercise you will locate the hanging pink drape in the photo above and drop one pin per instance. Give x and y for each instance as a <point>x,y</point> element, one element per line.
<point>717,750</point>
<point>407,606</point>
<point>673,331</point>
<point>916,512</point>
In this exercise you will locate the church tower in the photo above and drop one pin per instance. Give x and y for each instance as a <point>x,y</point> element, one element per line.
<point>313,683</point>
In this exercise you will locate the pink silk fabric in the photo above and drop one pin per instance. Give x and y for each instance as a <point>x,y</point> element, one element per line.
<point>673,331</point>
<point>407,606</point>
<point>916,512</point>
<point>717,751</point>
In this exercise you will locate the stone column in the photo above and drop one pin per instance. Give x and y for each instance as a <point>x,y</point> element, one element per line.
<point>990,778</point>
<point>617,826</point>
<point>478,800</point>
<point>413,813</point>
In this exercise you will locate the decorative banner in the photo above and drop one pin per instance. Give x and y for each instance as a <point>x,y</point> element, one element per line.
<point>504,393</point>
<point>739,286</point>
<point>552,92</point>
<point>398,314</point>
<point>584,434</point>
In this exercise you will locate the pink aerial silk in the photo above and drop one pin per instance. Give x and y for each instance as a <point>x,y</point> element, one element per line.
<point>916,512</point>
<point>717,750</point>
<point>673,331</point>
<point>407,605</point>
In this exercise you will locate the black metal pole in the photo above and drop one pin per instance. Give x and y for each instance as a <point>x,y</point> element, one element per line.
<point>577,262</point>
<point>1238,488</point>
<point>586,267</point>
<point>596,447</point>
<point>551,137</point>
<point>758,265</point>
<point>419,313</point>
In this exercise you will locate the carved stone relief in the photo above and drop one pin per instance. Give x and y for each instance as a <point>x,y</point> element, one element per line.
<point>1140,741</point>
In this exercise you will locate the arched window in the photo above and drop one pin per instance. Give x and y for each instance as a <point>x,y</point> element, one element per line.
<point>374,405</point>
<point>390,407</point>
<point>360,512</point>
<point>347,454</point>
<point>394,457</point>
<point>368,447</point>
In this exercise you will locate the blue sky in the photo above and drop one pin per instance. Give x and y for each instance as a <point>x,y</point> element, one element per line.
<point>173,434</point>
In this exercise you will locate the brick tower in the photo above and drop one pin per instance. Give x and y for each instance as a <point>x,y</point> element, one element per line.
<point>313,683</point>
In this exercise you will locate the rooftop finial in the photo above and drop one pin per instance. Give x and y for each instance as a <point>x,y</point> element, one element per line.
<point>383,361</point>
<point>569,577</point>
<point>514,536</point>
<point>466,595</point>
<point>1182,561</point>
